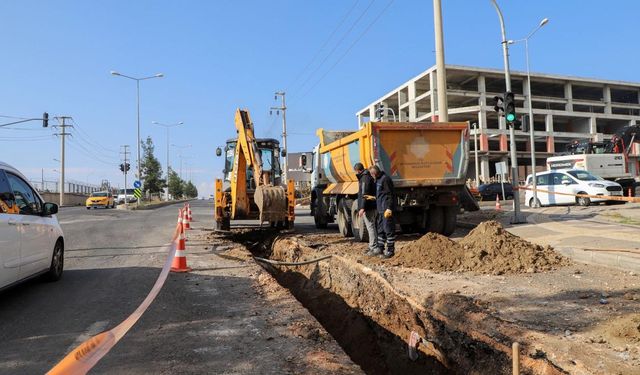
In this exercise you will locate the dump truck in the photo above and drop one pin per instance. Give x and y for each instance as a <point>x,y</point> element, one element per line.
<point>426,161</point>
<point>252,171</point>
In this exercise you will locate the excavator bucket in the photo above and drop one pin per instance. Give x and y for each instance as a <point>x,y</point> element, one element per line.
<point>272,203</point>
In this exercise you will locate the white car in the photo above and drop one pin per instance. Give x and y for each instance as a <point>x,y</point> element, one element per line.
<point>31,240</point>
<point>130,198</point>
<point>569,182</point>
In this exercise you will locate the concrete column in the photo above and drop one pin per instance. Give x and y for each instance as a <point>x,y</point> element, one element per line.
<point>434,95</point>
<point>482,89</point>
<point>502,123</point>
<point>503,143</point>
<point>606,94</point>
<point>526,93</point>
<point>568,94</point>
<point>484,168</point>
<point>548,123</point>
<point>359,117</point>
<point>412,101</point>
<point>551,146</point>
<point>593,129</point>
<point>402,97</point>
<point>372,112</point>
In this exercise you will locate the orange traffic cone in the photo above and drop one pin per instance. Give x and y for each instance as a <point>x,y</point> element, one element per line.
<point>498,206</point>
<point>185,219</point>
<point>180,259</point>
<point>189,210</point>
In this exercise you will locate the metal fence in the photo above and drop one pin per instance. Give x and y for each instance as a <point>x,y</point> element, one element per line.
<point>70,186</point>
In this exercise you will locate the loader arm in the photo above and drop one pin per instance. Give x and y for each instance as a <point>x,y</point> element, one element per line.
<point>247,144</point>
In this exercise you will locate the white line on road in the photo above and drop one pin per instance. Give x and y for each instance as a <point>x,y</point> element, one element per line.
<point>83,220</point>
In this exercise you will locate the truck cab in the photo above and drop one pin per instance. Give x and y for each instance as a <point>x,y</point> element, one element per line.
<point>269,149</point>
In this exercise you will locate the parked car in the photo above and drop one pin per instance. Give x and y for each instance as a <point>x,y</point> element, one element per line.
<point>31,240</point>
<point>569,182</point>
<point>102,199</point>
<point>489,192</point>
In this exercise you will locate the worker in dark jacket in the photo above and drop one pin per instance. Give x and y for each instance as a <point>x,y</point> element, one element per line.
<point>385,202</point>
<point>367,205</point>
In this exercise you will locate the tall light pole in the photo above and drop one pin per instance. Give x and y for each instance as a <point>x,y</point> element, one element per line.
<point>475,149</point>
<point>530,104</point>
<point>167,126</point>
<point>180,154</point>
<point>441,73</point>
<point>283,108</point>
<point>159,75</point>
<point>512,134</point>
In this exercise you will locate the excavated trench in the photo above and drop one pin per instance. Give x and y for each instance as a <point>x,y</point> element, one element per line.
<point>372,322</point>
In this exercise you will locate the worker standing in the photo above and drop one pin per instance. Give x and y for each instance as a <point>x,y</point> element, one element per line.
<point>367,205</point>
<point>385,202</point>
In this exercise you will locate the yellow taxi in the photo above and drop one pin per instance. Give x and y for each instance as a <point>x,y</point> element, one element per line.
<point>100,199</point>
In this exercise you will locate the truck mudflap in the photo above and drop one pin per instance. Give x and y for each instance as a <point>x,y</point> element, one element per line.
<point>467,201</point>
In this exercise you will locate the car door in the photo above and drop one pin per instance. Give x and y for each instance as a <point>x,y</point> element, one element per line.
<point>542,183</point>
<point>9,234</point>
<point>567,187</point>
<point>36,245</point>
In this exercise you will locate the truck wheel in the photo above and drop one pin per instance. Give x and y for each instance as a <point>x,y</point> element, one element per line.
<point>225,224</point>
<point>357,224</point>
<point>344,222</point>
<point>407,228</point>
<point>583,201</point>
<point>319,212</point>
<point>450,220</point>
<point>436,219</point>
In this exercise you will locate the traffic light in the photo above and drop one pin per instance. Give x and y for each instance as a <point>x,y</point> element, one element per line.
<point>380,111</point>
<point>121,167</point>
<point>45,120</point>
<point>127,167</point>
<point>509,107</point>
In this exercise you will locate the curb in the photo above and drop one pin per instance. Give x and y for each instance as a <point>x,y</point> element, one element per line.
<point>608,259</point>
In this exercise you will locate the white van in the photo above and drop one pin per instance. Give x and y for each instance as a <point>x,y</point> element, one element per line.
<point>31,240</point>
<point>569,182</point>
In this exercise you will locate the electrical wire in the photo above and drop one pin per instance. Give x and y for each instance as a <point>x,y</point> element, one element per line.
<point>344,36</point>
<point>348,49</point>
<point>80,148</point>
<point>317,54</point>
<point>88,138</point>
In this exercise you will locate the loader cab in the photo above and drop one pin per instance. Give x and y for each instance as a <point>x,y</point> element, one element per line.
<point>269,153</point>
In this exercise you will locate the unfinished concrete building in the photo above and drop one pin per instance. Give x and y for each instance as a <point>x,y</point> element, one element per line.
<point>564,109</point>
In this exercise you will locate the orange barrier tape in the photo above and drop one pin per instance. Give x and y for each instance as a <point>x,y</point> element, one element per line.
<point>86,355</point>
<point>607,197</point>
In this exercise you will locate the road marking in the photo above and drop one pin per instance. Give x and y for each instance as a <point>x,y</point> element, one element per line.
<point>82,221</point>
<point>93,330</point>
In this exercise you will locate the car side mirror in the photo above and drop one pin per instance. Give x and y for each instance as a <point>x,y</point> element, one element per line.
<point>49,209</point>
<point>218,151</point>
<point>565,182</point>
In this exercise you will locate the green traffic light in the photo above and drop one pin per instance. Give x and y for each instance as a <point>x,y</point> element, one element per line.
<point>511,117</point>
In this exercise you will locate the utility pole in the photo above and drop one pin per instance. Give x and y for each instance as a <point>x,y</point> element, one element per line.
<point>125,155</point>
<point>283,108</point>
<point>441,72</point>
<point>512,142</point>
<point>63,133</point>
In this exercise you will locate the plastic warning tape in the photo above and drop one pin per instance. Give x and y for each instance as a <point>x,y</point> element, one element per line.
<point>607,197</point>
<point>81,359</point>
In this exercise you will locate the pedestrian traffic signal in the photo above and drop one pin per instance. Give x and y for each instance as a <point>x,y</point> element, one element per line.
<point>509,107</point>
<point>45,120</point>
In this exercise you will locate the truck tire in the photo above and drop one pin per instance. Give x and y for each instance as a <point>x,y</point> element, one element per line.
<point>450,220</point>
<point>358,227</point>
<point>408,228</point>
<point>225,224</point>
<point>319,212</point>
<point>344,219</point>
<point>436,219</point>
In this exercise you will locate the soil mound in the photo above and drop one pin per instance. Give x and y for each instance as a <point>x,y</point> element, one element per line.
<point>487,249</point>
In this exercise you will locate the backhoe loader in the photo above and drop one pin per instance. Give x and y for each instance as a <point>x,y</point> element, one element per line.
<point>252,169</point>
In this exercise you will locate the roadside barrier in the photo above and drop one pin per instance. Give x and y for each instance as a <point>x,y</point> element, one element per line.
<point>498,206</point>
<point>607,197</point>
<point>82,359</point>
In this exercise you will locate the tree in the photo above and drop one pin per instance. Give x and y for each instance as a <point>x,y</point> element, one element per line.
<point>175,184</point>
<point>151,169</point>
<point>190,190</point>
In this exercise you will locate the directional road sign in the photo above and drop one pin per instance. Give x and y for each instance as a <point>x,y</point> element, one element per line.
<point>137,184</point>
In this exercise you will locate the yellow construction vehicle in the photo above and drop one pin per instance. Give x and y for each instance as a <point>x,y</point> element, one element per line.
<point>252,169</point>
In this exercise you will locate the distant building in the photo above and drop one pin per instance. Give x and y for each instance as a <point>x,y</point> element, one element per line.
<point>301,177</point>
<point>564,109</point>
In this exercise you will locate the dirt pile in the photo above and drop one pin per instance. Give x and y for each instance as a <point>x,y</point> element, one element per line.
<point>488,249</point>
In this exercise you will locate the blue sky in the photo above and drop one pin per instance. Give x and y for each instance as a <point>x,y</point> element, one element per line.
<point>220,55</point>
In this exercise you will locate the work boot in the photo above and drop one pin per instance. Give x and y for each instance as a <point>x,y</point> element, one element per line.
<point>387,254</point>
<point>373,253</point>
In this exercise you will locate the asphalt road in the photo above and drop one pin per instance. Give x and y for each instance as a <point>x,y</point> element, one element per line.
<point>112,257</point>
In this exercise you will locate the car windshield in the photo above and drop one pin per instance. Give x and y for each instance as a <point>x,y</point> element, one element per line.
<point>99,194</point>
<point>584,176</point>
<point>129,191</point>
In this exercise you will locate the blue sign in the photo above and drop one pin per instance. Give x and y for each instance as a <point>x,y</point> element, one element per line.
<point>137,184</point>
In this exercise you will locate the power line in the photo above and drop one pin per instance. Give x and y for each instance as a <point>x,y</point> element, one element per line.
<point>89,139</point>
<point>344,36</point>
<point>347,50</point>
<point>317,54</point>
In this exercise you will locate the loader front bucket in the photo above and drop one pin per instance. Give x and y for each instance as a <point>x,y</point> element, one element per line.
<point>272,203</point>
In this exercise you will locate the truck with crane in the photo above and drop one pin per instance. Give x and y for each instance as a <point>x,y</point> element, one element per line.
<point>252,171</point>
<point>426,161</point>
<point>607,159</point>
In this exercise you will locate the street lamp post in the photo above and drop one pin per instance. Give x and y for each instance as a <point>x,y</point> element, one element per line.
<point>180,155</point>
<point>475,149</point>
<point>167,126</point>
<point>512,142</point>
<point>159,75</point>
<point>529,100</point>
